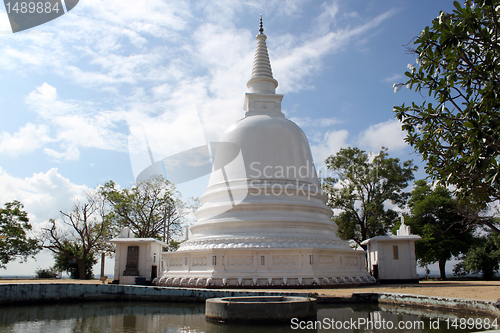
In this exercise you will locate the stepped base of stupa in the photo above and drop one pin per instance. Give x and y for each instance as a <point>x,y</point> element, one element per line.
<point>254,268</point>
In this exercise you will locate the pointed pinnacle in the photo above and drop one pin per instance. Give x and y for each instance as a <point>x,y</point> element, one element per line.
<point>261,30</point>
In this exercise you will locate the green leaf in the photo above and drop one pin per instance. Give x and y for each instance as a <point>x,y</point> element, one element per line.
<point>459,67</point>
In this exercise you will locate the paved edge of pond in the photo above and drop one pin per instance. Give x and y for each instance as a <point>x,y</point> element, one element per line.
<point>424,301</point>
<point>16,293</point>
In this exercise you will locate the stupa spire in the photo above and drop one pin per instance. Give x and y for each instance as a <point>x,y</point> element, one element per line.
<point>262,81</point>
<point>262,98</point>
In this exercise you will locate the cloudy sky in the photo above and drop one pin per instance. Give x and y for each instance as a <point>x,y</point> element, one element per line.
<point>80,94</point>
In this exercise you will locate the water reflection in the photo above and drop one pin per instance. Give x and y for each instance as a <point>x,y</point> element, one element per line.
<point>119,317</point>
<point>104,317</point>
<point>387,318</point>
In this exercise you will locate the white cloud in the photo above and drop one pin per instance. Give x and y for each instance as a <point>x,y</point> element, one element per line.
<point>99,44</point>
<point>76,124</point>
<point>110,45</point>
<point>165,135</point>
<point>43,194</point>
<point>326,18</point>
<point>294,64</point>
<point>71,154</point>
<point>4,22</point>
<point>29,138</point>
<point>125,54</point>
<point>396,78</point>
<point>386,134</point>
<point>289,7</point>
<point>44,101</point>
<point>329,145</point>
<point>309,122</point>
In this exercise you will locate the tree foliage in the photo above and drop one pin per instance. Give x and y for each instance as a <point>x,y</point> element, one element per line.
<point>66,262</point>
<point>361,190</point>
<point>434,217</point>
<point>483,258</point>
<point>174,245</point>
<point>456,132</point>
<point>46,273</point>
<point>83,232</point>
<point>14,226</point>
<point>149,209</point>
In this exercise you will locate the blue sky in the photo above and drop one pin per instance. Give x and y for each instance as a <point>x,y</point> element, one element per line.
<point>77,92</point>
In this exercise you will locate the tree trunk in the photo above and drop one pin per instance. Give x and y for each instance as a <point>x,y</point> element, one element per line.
<point>442,271</point>
<point>164,228</point>
<point>81,268</point>
<point>168,230</point>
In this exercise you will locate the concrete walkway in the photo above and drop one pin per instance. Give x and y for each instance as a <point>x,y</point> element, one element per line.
<point>476,290</point>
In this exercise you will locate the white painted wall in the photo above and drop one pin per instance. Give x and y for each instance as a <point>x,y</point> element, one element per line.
<point>381,253</point>
<point>149,255</point>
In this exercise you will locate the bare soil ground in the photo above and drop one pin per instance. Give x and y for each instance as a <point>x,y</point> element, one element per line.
<point>479,290</point>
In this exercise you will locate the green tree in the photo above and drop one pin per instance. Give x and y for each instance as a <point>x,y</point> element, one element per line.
<point>174,245</point>
<point>458,65</point>
<point>66,262</point>
<point>434,217</point>
<point>361,190</point>
<point>14,226</point>
<point>483,257</point>
<point>46,273</point>
<point>83,232</point>
<point>150,209</point>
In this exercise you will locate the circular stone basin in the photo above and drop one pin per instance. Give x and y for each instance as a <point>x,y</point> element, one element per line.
<point>260,309</point>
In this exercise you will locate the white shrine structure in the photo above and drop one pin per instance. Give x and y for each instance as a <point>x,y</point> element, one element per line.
<point>391,259</point>
<point>137,260</point>
<point>264,219</point>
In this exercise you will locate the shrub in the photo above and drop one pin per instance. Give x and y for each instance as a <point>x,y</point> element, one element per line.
<point>46,273</point>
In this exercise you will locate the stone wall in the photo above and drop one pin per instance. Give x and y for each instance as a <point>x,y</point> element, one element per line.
<point>31,293</point>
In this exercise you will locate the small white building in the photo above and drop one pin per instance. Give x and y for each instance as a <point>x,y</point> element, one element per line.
<point>137,260</point>
<point>391,259</point>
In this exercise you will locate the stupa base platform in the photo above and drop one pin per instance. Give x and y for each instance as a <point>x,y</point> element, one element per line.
<point>265,268</point>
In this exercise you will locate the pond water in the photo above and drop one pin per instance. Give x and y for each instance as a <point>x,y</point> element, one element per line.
<point>139,317</point>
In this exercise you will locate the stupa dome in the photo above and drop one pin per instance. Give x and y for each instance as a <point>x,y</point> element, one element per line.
<point>269,191</point>
<point>271,147</point>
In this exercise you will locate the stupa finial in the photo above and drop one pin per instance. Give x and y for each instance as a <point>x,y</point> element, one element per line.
<point>262,98</point>
<point>262,80</point>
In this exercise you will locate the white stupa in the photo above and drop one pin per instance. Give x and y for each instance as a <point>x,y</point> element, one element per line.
<point>264,219</point>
